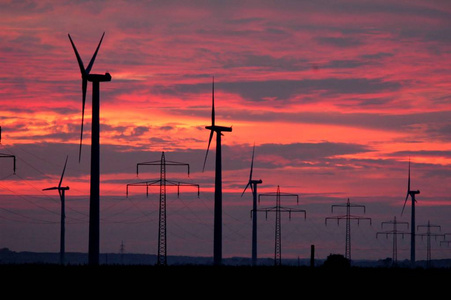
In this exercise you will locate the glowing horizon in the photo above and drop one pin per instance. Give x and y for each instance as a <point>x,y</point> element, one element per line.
<point>336,97</point>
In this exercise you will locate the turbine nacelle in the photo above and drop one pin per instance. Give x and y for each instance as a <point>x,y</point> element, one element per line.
<point>219,128</point>
<point>59,187</point>
<point>65,188</point>
<point>99,77</point>
<point>409,192</point>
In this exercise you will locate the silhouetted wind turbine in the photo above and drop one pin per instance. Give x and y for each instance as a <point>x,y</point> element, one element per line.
<point>217,243</point>
<point>412,218</point>
<point>61,191</point>
<point>95,148</point>
<point>253,184</point>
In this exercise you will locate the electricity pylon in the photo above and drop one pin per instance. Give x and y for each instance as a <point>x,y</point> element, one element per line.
<point>162,182</point>
<point>4,155</point>
<point>395,233</point>
<point>428,234</point>
<point>348,217</point>
<point>122,251</point>
<point>278,209</point>
<point>445,241</point>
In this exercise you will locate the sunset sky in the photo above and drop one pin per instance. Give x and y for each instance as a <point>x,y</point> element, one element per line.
<point>337,96</point>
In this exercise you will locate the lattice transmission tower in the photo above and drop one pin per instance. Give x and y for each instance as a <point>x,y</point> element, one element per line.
<point>445,241</point>
<point>394,232</point>
<point>163,183</point>
<point>348,217</point>
<point>428,235</point>
<point>278,209</point>
<point>5,155</point>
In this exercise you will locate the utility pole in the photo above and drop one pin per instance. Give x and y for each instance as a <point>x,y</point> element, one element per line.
<point>348,217</point>
<point>278,209</point>
<point>122,251</point>
<point>395,234</point>
<point>162,182</point>
<point>428,234</point>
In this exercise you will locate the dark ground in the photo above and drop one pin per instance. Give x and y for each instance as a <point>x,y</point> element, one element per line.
<point>223,282</point>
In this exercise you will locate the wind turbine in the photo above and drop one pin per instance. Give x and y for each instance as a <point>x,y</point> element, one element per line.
<point>412,218</point>
<point>253,184</point>
<point>61,191</point>
<point>217,243</point>
<point>94,230</point>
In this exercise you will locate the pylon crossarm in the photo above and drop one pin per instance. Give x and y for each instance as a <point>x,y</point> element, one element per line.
<point>429,226</point>
<point>386,234</point>
<point>347,217</point>
<point>430,234</point>
<point>175,163</point>
<point>178,184</point>
<point>141,183</point>
<point>402,233</point>
<point>394,223</point>
<point>3,155</point>
<point>266,210</point>
<point>360,218</point>
<point>149,163</point>
<point>348,205</point>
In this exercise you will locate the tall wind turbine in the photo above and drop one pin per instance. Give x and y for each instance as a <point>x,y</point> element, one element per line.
<point>217,243</point>
<point>253,184</point>
<point>61,191</point>
<point>94,219</point>
<point>412,194</point>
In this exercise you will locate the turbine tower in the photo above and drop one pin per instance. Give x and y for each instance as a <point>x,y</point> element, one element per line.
<point>94,218</point>
<point>253,184</point>
<point>217,231</point>
<point>61,191</point>
<point>412,194</point>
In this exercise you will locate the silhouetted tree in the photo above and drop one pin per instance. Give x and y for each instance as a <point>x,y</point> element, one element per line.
<point>337,261</point>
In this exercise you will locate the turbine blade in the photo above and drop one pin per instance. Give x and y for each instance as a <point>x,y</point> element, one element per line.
<point>213,102</point>
<point>64,169</point>
<point>404,204</point>
<point>51,188</point>
<point>408,180</point>
<point>206,154</point>
<point>84,86</point>
<point>80,62</point>
<point>88,69</point>
<point>252,164</point>
<point>245,188</point>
